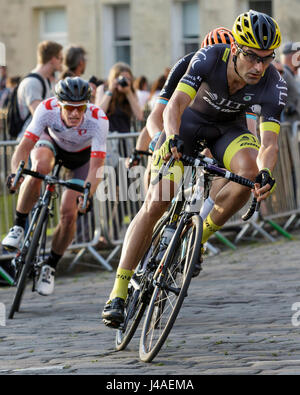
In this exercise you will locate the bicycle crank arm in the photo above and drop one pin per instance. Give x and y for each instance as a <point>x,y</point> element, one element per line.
<point>167,287</point>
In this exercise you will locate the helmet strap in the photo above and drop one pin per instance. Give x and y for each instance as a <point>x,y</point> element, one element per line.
<point>234,59</point>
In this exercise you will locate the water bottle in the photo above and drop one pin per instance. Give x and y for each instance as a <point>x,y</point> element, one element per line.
<point>165,241</point>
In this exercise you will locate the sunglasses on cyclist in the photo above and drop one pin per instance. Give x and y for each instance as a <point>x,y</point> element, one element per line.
<point>71,107</point>
<point>251,57</point>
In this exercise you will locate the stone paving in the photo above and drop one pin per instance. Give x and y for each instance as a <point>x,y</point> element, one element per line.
<point>237,319</point>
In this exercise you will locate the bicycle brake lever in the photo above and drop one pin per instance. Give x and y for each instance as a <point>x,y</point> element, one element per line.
<point>19,173</point>
<point>86,193</point>
<point>163,171</point>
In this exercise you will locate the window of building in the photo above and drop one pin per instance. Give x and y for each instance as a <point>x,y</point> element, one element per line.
<point>185,28</point>
<point>261,6</point>
<point>53,25</point>
<point>190,26</point>
<point>122,33</point>
<point>116,35</point>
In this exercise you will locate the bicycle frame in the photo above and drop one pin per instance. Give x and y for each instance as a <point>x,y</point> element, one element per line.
<point>44,200</point>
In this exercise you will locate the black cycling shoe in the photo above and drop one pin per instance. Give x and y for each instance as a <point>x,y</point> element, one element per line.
<point>197,269</point>
<point>198,266</point>
<point>113,313</point>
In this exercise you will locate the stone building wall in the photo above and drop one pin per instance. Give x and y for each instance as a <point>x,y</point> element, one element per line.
<point>152,28</point>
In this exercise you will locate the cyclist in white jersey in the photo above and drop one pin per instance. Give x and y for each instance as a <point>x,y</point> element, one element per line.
<point>67,128</point>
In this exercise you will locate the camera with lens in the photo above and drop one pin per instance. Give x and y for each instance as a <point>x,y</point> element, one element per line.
<point>122,81</point>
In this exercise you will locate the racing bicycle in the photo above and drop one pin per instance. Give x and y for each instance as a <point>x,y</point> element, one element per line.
<point>161,280</point>
<point>29,259</point>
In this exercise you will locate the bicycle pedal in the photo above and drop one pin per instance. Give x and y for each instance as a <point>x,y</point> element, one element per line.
<point>112,324</point>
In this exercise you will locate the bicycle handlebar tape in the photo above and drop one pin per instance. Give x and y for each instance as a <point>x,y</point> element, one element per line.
<point>19,172</point>
<point>251,210</point>
<point>241,180</point>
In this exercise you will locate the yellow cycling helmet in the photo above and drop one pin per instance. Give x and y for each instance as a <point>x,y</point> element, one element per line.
<point>256,30</point>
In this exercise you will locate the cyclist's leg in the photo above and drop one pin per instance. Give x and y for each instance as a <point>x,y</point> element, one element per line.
<point>138,236</point>
<point>43,160</point>
<point>237,151</point>
<point>66,228</point>
<point>139,233</point>
<point>63,233</point>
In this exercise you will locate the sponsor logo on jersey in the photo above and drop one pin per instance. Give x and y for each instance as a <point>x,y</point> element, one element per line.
<point>222,104</point>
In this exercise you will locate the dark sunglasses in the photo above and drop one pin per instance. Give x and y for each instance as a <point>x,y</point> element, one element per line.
<point>253,58</point>
<point>71,107</point>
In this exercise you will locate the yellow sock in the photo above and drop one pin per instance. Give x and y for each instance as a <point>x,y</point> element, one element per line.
<point>119,290</point>
<point>209,228</point>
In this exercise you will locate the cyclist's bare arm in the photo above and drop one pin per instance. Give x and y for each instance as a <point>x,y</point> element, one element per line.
<point>155,119</point>
<point>143,140</point>
<point>95,173</point>
<point>172,115</point>
<point>252,126</point>
<point>21,153</point>
<point>266,159</point>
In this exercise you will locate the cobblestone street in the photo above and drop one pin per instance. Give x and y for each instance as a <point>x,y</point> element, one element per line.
<point>238,319</point>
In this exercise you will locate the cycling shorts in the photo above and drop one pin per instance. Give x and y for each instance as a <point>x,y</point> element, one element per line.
<point>223,139</point>
<point>78,162</point>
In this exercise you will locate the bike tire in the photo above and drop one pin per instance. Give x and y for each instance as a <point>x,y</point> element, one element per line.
<point>137,309</point>
<point>21,284</point>
<point>135,304</point>
<point>155,333</point>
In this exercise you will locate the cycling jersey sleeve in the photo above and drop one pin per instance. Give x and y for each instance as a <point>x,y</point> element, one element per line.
<point>274,100</point>
<point>201,65</point>
<point>98,147</point>
<point>38,123</point>
<point>175,75</point>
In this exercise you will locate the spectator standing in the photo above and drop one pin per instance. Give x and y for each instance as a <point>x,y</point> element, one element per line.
<point>291,62</point>
<point>3,75</point>
<point>11,83</point>
<point>155,90</point>
<point>141,86</point>
<point>94,83</point>
<point>31,89</point>
<point>74,61</point>
<point>118,99</point>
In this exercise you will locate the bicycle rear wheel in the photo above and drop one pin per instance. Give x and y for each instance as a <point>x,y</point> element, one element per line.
<point>171,289</point>
<point>28,263</point>
<point>134,310</point>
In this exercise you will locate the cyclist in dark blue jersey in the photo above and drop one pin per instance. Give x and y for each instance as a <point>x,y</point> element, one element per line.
<point>210,102</point>
<point>221,84</point>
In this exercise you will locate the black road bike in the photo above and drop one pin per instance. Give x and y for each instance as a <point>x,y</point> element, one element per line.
<point>30,258</point>
<point>161,279</point>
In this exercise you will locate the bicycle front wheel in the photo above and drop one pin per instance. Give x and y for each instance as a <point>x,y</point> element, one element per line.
<point>171,289</point>
<point>139,291</point>
<point>21,283</point>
